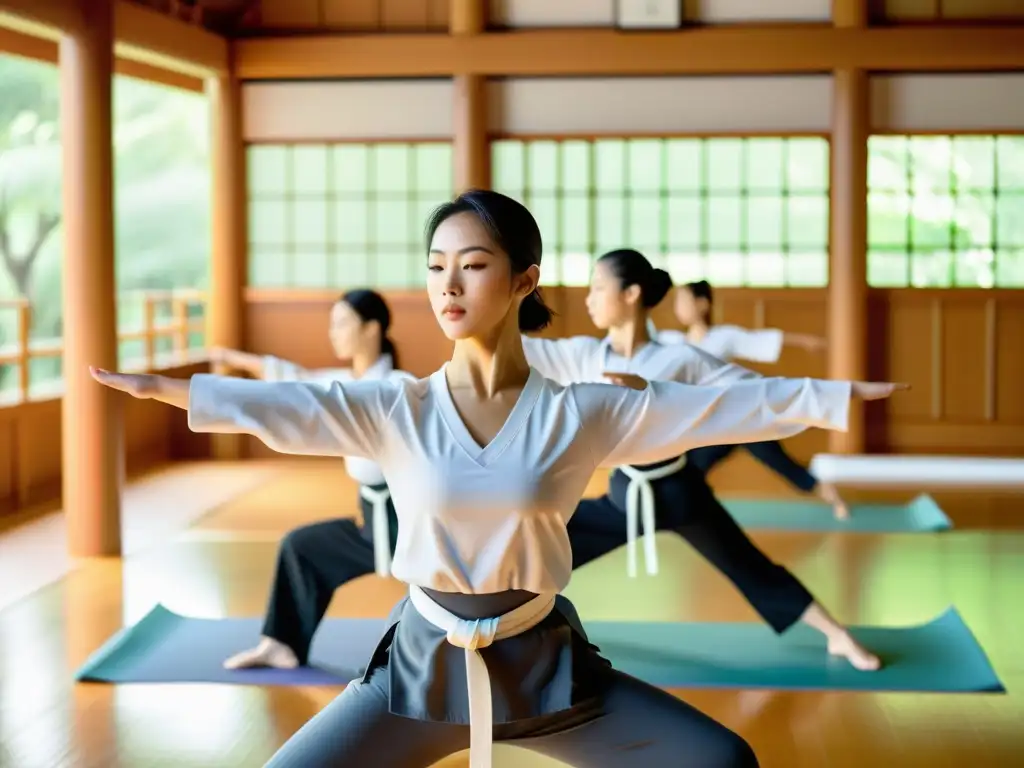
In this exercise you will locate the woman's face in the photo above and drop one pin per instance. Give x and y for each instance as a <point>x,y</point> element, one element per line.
<point>471,286</point>
<point>687,308</point>
<point>349,334</point>
<point>608,304</point>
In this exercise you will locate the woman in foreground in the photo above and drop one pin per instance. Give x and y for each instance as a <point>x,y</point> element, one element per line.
<point>487,460</point>
<point>317,559</point>
<point>693,305</point>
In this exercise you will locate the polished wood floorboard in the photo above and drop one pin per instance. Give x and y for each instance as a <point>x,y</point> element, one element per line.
<point>223,564</point>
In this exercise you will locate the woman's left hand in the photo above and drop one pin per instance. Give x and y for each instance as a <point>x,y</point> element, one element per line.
<point>877,390</point>
<point>141,385</point>
<point>626,380</point>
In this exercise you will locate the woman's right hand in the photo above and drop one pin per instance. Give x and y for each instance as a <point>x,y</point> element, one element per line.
<point>877,390</point>
<point>141,385</point>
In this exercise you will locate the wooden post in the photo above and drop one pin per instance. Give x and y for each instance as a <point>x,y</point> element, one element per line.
<point>92,451</point>
<point>848,211</point>
<point>471,149</point>
<point>225,305</point>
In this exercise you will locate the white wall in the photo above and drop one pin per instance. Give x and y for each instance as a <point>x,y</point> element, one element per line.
<point>672,105</point>
<point>948,102</point>
<point>422,109</point>
<point>601,13</point>
<point>347,110</point>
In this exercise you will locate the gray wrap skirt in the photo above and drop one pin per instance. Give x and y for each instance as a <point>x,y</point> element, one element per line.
<point>547,669</point>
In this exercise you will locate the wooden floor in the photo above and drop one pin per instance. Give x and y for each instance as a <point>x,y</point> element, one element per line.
<point>223,563</point>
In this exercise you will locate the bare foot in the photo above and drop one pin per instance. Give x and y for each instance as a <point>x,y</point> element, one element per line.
<point>269,653</point>
<point>830,495</point>
<point>859,656</point>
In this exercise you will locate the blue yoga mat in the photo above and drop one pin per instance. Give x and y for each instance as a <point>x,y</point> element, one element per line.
<point>941,655</point>
<point>922,515</point>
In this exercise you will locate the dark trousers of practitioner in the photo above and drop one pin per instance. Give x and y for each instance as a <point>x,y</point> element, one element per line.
<point>687,506</point>
<point>771,454</point>
<point>632,724</point>
<point>312,563</point>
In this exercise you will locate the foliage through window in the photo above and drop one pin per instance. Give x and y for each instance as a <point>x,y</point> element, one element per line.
<point>162,199</point>
<point>30,208</point>
<point>343,215</point>
<point>737,211</point>
<point>946,211</point>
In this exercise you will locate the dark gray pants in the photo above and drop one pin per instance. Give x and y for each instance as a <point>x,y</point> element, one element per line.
<point>632,724</point>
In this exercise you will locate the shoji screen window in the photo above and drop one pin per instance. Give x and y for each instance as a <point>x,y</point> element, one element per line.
<point>946,211</point>
<point>741,211</point>
<point>343,215</point>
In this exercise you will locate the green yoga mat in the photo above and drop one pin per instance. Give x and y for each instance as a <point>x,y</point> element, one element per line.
<point>922,515</point>
<point>941,655</point>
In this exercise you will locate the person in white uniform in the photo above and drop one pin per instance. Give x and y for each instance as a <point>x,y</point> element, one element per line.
<point>315,560</point>
<point>693,304</point>
<point>672,495</point>
<point>486,460</point>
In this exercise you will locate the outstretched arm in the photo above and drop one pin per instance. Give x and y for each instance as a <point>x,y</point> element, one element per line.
<point>289,417</point>
<point>566,361</point>
<point>666,419</point>
<point>266,367</point>
<point>806,341</point>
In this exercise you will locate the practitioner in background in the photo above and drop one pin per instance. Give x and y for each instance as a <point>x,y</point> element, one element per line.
<point>316,559</point>
<point>672,495</point>
<point>693,305</point>
<point>487,460</point>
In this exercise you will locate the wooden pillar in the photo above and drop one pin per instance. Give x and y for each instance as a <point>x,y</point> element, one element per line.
<point>225,305</point>
<point>90,415</point>
<point>848,286</point>
<point>471,149</point>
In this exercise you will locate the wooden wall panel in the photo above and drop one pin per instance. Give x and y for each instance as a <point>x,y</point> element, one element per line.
<point>960,351</point>
<point>1009,356</point>
<point>352,16</point>
<point>911,11</point>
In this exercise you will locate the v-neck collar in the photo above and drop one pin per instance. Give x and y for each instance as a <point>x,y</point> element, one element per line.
<point>482,455</point>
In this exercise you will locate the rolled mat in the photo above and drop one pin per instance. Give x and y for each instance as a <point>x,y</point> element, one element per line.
<point>922,515</point>
<point>940,656</point>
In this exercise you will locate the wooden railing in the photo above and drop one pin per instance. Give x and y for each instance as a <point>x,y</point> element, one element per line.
<point>21,353</point>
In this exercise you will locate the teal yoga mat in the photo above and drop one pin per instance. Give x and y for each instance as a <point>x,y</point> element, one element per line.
<point>922,515</point>
<point>940,656</point>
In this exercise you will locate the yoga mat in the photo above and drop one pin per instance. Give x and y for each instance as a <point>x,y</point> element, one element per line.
<point>941,655</point>
<point>921,515</point>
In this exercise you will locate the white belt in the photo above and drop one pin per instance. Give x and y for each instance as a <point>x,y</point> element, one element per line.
<point>471,635</point>
<point>640,504</point>
<point>381,529</point>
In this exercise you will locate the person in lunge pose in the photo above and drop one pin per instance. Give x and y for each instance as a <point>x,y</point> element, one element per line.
<point>693,304</point>
<point>315,560</point>
<point>672,495</point>
<point>486,460</point>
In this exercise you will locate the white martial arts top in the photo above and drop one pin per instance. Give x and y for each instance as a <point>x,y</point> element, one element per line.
<point>731,342</point>
<point>488,519</point>
<point>363,471</point>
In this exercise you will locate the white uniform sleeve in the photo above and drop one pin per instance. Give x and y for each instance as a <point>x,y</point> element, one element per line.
<point>279,369</point>
<point>706,370</point>
<point>566,361</point>
<point>628,426</point>
<point>302,418</point>
<point>759,346</point>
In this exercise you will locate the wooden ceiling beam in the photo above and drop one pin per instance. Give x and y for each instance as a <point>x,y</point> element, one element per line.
<point>141,34</point>
<point>41,49</point>
<point>606,52</point>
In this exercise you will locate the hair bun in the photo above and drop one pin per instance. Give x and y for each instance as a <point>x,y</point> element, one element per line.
<point>656,287</point>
